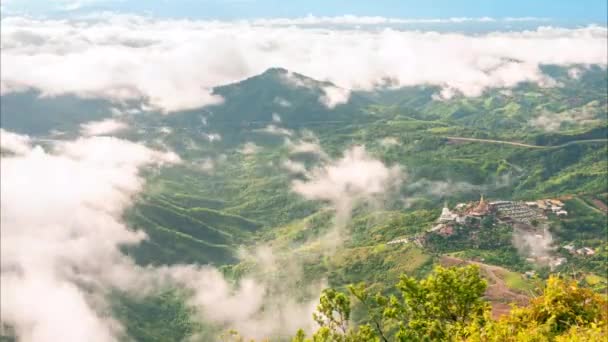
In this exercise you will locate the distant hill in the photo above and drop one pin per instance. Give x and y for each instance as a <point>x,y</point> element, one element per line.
<point>32,113</point>
<point>275,97</point>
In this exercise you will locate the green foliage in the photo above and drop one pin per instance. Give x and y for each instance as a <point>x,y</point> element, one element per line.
<point>434,308</point>
<point>333,311</point>
<point>441,304</point>
<point>159,317</point>
<point>564,312</point>
<point>448,306</point>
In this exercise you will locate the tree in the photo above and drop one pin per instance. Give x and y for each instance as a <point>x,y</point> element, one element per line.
<point>440,305</point>
<point>448,306</point>
<point>333,314</point>
<point>429,309</point>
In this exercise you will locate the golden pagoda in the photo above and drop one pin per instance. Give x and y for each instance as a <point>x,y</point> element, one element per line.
<point>481,209</point>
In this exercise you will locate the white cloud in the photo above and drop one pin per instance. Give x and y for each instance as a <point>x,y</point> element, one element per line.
<point>537,245</point>
<point>443,189</point>
<point>444,94</point>
<point>60,255</point>
<point>355,175</point>
<point>250,148</point>
<point>550,122</point>
<point>294,167</point>
<point>334,96</point>
<point>344,182</point>
<point>175,63</point>
<point>212,137</point>
<point>61,230</point>
<point>15,143</point>
<point>282,102</point>
<point>103,127</point>
<point>294,80</point>
<point>306,146</point>
<point>575,73</point>
<point>256,308</point>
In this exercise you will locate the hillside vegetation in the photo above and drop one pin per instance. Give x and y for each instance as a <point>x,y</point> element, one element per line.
<point>232,193</point>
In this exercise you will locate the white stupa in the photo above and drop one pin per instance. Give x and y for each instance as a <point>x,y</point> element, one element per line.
<point>447,215</point>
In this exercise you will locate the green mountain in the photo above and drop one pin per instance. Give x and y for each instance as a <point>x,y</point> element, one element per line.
<point>30,112</point>
<point>528,143</point>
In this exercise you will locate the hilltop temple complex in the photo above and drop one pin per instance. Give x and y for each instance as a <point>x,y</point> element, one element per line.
<point>505,211</point>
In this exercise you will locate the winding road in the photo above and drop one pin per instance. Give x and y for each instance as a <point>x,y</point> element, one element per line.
<point>503,142</point>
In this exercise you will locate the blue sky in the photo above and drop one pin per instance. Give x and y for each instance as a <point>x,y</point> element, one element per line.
<point>568,12</point>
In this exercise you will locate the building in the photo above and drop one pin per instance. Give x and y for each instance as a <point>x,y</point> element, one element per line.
<point>541,204</point>
<point>482,208</point>
<point>447,215</point>
<point>517,212</point>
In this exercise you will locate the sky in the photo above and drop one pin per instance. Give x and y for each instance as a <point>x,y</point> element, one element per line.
<point>565,12</point>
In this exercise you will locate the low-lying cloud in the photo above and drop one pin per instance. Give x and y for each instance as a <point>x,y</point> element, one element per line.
<point>355,177</point>
<point>355,174</point>
<point>174,64</point>
<point>536,245</point>
<point>333,96</point>
<point>62,230</point>
<point>103,127</point>
<point>249,148</point>
<point>305,147</point>
<point>589,114</point>
<point>14,143</point>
